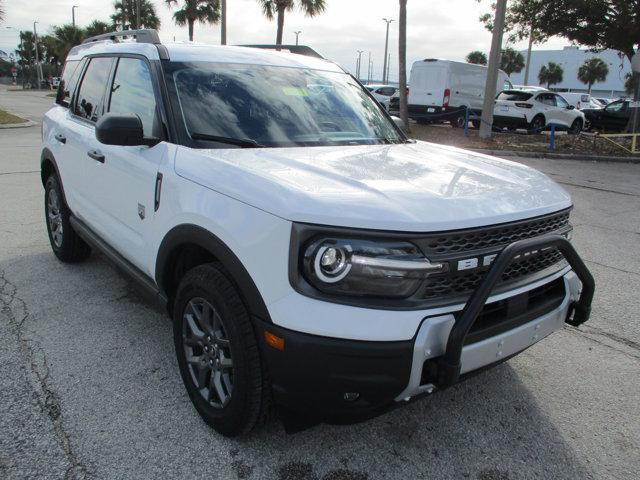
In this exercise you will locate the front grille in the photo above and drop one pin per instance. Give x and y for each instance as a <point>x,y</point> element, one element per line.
<point>497,236</point>
<point>457,285</point>
<point>462,284</point>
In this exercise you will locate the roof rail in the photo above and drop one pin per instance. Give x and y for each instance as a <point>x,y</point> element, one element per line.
<point>140,36</point>
<point>297,49</point>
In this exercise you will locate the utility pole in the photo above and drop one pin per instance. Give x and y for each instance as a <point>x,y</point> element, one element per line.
<point>369,70</point>
<point>137,14</point>
<point>297,35</point>
<point>492,71</point>
<point>526,68</point>
<point>358,63</point>
<point>38,66</point>
<point>223,22</point>
<point>388,67</point>
<point>386,50</point>
<point>73,15</point>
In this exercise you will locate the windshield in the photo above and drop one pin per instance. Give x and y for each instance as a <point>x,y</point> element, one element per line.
<point>257,105</point>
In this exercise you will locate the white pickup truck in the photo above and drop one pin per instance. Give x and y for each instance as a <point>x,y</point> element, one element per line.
<point>311,256</point>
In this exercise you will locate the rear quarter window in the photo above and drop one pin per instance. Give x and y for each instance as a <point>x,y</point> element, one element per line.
<point>68,82</point>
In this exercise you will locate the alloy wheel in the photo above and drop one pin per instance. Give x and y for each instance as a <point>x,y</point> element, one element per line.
<point>55,218</point>
<point>207,352</point>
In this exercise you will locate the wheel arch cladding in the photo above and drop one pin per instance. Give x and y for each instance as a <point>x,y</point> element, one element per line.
<point>195,241</point>
<point>48,166</point>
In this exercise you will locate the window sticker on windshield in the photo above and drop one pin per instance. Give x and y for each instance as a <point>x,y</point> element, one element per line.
<point>295,92</point>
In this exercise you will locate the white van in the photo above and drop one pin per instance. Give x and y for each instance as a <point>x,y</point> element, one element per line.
<point>443,89</point>
<point>580,100</point>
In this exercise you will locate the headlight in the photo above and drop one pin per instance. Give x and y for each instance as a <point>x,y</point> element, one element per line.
<point>357,267</point>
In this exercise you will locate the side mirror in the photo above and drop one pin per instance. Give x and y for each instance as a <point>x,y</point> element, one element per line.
<point>122,129</point>
<point>399,123</point>
<point>570,107</point>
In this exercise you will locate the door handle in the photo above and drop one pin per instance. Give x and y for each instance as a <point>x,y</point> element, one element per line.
<point>61,138</point>
<point>96,155</point>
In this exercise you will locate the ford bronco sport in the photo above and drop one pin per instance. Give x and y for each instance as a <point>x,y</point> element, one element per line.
<point>310,255</point>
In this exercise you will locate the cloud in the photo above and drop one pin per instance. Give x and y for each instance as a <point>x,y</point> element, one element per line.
<point>436,28</point>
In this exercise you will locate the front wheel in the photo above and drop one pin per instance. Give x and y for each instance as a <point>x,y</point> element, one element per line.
<point>218,353</point>
<point>576,127</point>
<point>65,242</point>
<point>459,121</point>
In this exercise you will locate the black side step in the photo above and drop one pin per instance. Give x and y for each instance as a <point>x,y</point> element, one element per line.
<point>147,285</point>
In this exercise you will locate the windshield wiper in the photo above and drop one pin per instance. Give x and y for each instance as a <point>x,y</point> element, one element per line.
<point>241,142</point>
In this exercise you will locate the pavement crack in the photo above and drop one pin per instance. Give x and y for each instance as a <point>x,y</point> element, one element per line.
<point>19,173</point>
<point>612,268</point>
<point>17,312</point>
<point>589,335</point>
<point>588,187</point>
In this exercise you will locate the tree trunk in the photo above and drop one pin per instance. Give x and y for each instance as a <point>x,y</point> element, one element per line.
<point>402,62</point>
<point>223,22</point>
<point>526,69</point>
<point>280,24</point>
<point>191,22</point>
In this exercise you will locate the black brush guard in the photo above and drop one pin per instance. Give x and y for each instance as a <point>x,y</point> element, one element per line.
<point>449,364</point>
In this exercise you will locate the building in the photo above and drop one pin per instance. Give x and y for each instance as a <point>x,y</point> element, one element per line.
<point>571,58</point>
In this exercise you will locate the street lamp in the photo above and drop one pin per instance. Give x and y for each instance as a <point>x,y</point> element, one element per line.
<point>385,79</point>
<point>35,44</point>
<point>73,15</point>
<point>297,35</point>
<point>358,63</point>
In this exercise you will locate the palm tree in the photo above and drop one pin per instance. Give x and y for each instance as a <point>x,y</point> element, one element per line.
<point>477,57</point>
<point>97,27</point>
<point>66,37</point>
<point>402,61</point>
<point>593,71</point>
<point>125,15</point>
<point>192,11</point>
<point>1,12</point>
<point>271,8</point>
<point>511,61</point>
<point>550,74</point>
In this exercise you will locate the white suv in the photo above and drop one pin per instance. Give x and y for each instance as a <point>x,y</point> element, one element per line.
<point>310,255</point>
<point>536,110</point>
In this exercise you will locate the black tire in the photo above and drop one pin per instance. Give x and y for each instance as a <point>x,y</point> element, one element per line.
<point>422,121</point>
<point>65,242</point>
<point>476,124</point>
<point>459,121</point>
<point>576,127</point>
<point>537,124</point>
<point>246,383</point>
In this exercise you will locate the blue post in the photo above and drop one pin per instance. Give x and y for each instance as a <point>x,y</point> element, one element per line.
<point>552,141</point>
<point>466,122</point>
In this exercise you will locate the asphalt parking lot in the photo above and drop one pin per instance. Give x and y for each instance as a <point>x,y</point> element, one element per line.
<point>89,386</point>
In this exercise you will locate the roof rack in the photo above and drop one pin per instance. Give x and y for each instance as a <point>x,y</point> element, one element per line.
<point>140,36</point>
<point>297,49</point>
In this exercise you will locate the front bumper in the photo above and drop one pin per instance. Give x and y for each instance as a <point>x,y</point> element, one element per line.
<point>333,379</point>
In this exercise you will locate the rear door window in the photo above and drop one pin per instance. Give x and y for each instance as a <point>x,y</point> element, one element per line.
<point>88,103</point>
<point>132,92</point>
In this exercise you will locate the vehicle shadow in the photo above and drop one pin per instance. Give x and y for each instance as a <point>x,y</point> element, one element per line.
<point>109,356</point>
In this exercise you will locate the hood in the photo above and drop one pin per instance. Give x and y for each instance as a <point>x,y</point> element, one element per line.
<point>414,187</point>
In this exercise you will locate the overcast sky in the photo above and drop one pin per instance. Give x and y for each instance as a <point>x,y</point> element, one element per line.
<point>446,29</point>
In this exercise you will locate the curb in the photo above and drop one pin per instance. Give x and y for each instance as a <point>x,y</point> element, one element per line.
<point>558,156</point>
<point>26,124</point>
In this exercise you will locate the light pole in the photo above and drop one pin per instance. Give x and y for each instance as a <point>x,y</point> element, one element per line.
<point>223,22</point>
<point>297,35</point>
<point>358,63</point>
<point>369,70</point>
<point>73,15</point>
<point>386,51</point>
<point>35,44</point>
